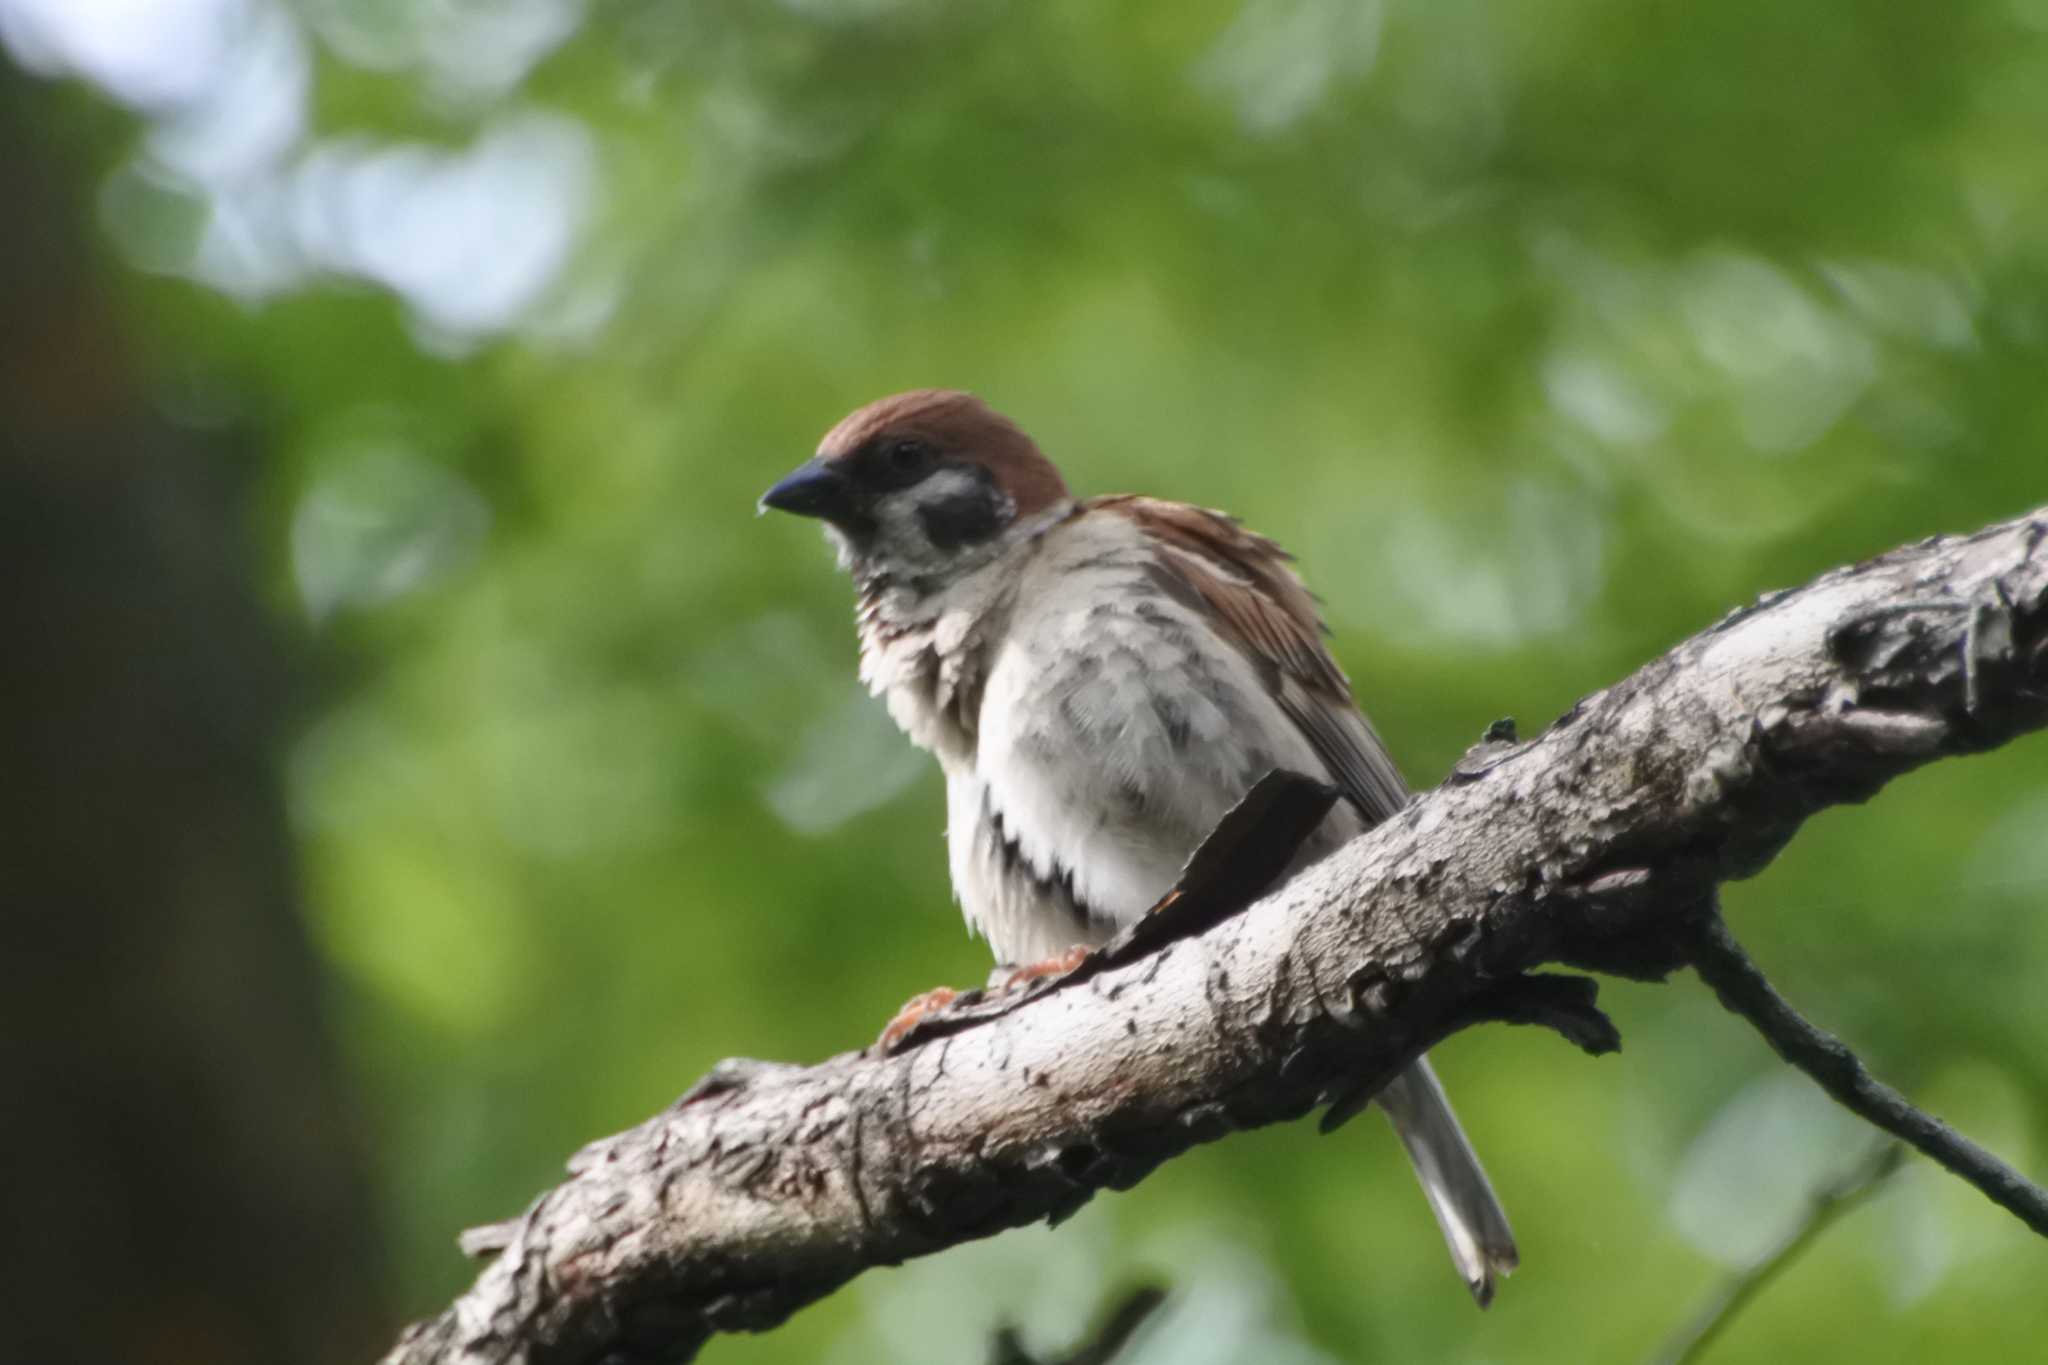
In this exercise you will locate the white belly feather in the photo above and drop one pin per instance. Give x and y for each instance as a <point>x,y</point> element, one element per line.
<point>1116,729</point>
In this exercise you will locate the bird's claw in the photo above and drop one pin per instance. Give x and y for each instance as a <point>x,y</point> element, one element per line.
<point>1055,966</point>
<point>913,1013</point>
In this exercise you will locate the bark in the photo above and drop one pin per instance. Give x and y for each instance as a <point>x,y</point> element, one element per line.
<point>1600,844</point>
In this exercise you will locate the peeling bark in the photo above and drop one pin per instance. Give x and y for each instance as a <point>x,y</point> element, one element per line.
<point>1599,844</point>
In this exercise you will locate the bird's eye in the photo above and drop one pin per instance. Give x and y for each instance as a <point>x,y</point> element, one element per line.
<point>907,456</point>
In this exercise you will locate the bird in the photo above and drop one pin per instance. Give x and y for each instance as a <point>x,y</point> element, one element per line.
<point>1101,680</point>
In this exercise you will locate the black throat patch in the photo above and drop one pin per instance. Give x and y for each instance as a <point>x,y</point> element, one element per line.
<point>966,517</point>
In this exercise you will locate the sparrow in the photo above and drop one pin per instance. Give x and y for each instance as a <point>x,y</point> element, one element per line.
<point>1101,680</point>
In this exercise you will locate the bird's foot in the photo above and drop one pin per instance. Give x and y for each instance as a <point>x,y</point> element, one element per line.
<point>913,1013</point>
<point>1059,965</point>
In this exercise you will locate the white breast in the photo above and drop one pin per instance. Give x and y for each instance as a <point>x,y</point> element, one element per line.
<point>1116,728</point>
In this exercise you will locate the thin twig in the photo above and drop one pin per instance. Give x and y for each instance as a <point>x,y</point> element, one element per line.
<point>1102,1346</point>
<point>1743,988</point>
<point>1826,1206</point>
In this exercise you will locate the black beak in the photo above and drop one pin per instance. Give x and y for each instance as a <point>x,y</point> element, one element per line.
<point>816,488</point>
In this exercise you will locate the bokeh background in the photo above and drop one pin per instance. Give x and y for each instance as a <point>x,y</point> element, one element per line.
<point>421,760</point>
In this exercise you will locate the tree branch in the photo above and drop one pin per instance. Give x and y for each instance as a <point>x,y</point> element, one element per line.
<point>1743,988</point>
<point>1599,844</point>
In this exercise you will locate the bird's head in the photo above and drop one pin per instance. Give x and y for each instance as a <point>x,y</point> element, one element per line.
<point>922,486</point>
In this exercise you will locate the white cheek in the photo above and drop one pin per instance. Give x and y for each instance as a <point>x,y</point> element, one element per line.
<point>896,522</point>
<point>945,484</point>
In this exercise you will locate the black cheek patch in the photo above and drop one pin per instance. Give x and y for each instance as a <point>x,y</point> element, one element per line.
<point>965,518</point>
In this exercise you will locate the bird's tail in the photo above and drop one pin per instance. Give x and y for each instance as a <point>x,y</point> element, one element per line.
<point>1475,1225</point>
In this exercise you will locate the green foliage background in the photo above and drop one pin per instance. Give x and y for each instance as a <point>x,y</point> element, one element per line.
<point>1544,334</point>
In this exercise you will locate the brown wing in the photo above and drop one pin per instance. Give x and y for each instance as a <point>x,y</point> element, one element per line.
<point>1245,582</point>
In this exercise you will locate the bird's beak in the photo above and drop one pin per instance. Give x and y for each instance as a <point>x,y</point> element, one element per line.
<point>816,488</point>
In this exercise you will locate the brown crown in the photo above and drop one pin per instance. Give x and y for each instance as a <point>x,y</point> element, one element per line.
<point>962,427</point>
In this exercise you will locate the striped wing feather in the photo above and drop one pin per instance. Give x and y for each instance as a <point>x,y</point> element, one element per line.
<point>1248,585</point>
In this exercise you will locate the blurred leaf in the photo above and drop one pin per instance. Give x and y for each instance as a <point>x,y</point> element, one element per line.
<point>380,524</point>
